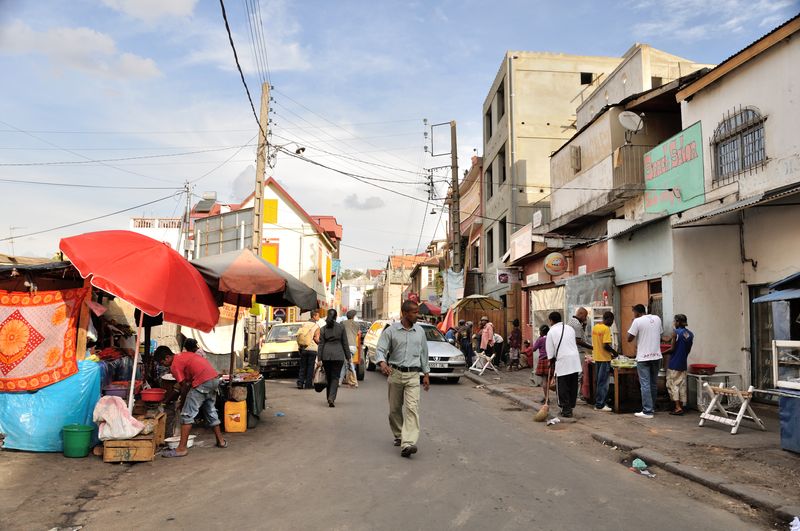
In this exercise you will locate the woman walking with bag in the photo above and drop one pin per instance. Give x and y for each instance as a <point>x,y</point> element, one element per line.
<point>333,351</point>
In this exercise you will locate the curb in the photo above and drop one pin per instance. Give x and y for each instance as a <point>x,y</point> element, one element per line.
<point>749,494</point>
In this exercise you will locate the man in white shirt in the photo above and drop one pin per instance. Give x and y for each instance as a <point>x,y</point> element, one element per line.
<point>562,348</point>
<point>646,330</point>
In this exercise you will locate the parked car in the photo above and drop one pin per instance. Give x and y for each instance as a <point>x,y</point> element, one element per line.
<point>357,353</point>
<point>446,361</point>
<point>280,352</point>
<point>370,342</point>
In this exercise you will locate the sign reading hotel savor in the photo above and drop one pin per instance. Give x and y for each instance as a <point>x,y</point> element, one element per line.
<point>673,173</point>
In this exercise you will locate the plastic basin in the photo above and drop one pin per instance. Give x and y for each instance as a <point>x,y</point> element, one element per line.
<point>153,395</point>
<point>121,392</point>
<point>77,440</point>
<point>702,368</point>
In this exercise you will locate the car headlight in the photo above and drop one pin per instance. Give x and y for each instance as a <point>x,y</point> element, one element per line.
<point>271,356</point>
<point>459,357</point>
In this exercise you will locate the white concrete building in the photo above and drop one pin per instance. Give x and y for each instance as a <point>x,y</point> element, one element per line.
<point>744,236</point>
<point>353,293</point>
<point>167,230</point>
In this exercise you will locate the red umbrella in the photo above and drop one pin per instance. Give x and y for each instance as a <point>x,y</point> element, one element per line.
<point>428,308</point>
<point>145,272</point>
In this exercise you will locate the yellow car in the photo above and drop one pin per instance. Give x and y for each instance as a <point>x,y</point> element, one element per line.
<point>280,352</point>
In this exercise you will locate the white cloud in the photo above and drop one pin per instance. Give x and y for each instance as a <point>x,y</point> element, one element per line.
<point>152,10</point>
<point>698,20</point>
<point>368,203</point>
<point>81,49</point>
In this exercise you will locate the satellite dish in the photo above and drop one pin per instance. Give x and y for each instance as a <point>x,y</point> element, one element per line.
<point>631,121</point>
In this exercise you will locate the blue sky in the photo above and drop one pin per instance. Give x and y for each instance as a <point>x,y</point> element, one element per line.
<point>110,79</point>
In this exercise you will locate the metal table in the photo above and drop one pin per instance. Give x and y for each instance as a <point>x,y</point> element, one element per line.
<point>696,399</point>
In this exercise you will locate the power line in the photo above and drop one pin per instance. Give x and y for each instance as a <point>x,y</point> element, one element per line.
<point>263,40</point>
<point>18,236</point>
<point>112,132</point>
<point>224,162</point>
<point>250,26</point>
<point>120,159</point>
<point>80,155</point>
<point>342,156</point>
<point>75,185</point>
<point>239,66</point>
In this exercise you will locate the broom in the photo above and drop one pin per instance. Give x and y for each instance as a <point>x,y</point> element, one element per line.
<point>542,414</point>
<point>544,411</point>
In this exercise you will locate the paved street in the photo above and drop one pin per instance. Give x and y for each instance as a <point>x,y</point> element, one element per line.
<point>482,465</point>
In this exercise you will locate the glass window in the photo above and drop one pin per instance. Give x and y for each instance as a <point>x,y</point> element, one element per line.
<point>432,334</point>
<point>738,144</point>
<point>283,333</point>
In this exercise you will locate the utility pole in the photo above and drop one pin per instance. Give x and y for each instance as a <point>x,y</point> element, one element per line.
<point>261,163</point>
<point>187,189</point>
<point>455,222</point>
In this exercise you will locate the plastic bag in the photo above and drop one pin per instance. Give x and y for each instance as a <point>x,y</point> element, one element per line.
<point>350,377</point>
<point>114,419</point>
<point>33,421</point>
<point>319,380</point>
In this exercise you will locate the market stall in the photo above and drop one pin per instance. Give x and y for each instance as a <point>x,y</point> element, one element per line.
<point>44,384</point>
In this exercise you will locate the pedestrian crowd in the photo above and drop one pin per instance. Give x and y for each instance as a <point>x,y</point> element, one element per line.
<point>556,357</point>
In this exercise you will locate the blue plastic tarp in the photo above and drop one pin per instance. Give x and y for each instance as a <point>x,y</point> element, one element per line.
<point>33,421</point>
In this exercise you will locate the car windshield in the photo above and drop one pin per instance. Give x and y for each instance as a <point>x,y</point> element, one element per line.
<point>432,334</point>
<point>283,333</point>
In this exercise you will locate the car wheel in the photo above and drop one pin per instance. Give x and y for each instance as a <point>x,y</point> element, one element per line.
<point>360,371</point>
<point>370,366</point>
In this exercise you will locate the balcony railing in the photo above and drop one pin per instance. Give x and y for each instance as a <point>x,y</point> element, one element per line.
<point>156,223</point>
<point>628,164</point>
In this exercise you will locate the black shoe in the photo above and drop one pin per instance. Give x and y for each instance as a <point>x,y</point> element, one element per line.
<point>408,450</point>
<point>299,386</point>
<point>330,403</point>
<point>397,442</point>
<point>566,414</point>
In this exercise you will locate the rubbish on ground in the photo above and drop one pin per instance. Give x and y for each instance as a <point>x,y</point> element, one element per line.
<point>647,473</point>
<point>498,379</point>
<point>552,421</point>
<point>481,386</point>
<point>280,414</point>
<point>795,525</point>
<point>638,464</point>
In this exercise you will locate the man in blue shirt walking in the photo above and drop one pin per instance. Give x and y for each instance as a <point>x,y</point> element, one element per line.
<point>402,354</point>
<point>682,340</point>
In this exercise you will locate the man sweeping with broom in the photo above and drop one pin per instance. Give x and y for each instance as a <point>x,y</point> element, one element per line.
<point>566,365</point>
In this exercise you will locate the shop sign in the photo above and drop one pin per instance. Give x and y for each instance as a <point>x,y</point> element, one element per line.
<point>673,173</point>
<point>555,264</point>
<point>503,276</point>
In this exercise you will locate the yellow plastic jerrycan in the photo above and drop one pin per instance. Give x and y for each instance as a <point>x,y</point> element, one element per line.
<point>235,417</point>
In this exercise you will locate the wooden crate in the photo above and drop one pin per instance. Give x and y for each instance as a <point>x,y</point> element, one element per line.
<point>160,431</point>
<point>140,448</point>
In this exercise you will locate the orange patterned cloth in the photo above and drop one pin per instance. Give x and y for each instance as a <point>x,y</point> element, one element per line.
<point>38,334</point>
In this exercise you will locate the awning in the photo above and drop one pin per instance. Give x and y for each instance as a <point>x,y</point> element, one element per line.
<point>755,200</point>
<point>731,207</point>
<point>780,295</point>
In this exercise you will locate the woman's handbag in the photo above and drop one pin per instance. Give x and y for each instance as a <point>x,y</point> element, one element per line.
<point>319,381</point>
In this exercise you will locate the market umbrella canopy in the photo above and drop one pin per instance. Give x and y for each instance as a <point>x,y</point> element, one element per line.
<point>236,273</point>
<point>145,272</point>
<point>427,308</point>
<point>477,302</point>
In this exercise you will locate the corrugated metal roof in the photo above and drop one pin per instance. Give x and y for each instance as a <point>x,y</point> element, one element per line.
<point>782,295</point>
<point>730,207</point>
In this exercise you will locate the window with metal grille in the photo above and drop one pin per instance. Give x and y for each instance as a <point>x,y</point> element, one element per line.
<point>738,144</point>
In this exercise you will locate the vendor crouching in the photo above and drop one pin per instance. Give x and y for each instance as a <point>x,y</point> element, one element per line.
<point>198,389</point>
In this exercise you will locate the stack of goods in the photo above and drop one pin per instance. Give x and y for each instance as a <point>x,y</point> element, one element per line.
<point>623,362</point>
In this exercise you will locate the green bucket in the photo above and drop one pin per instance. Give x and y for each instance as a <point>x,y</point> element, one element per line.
<point>77,440</point>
